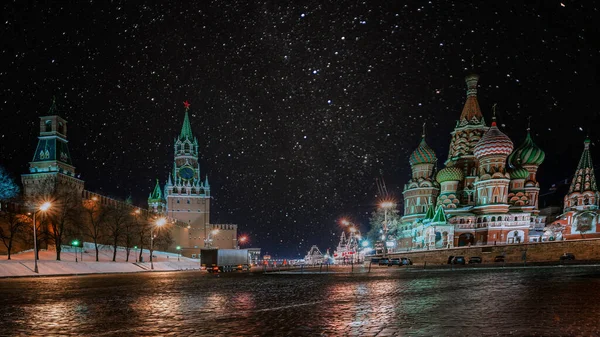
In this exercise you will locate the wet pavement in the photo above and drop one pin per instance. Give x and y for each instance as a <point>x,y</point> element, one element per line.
<point>556,301</point>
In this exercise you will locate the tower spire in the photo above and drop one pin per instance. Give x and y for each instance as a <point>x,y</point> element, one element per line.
<point>186,129</point>
<point>423,134</point>
<point>528,123</point>
<point>494,114</point>
<point>584,179</point>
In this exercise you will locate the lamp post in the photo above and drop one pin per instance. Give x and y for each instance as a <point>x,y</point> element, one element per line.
<point>42,208</point>
<point>385,205</point>
<point>159,223</point>
<point>135,253</point>
<point>178,252</point>
<point>76,244</point>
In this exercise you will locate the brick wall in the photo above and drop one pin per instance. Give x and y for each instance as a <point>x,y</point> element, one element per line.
<point>587,249</point>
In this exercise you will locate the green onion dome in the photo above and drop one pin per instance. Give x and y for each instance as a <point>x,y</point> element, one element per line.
<point>422,155</point>
<point>519,173</point>
<point>527,154</point>
<point>449,174</point>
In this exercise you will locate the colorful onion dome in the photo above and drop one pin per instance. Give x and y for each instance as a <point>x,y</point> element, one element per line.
<point>449,174</point>
<point>493,142</point>
<point>519,173</point>
<point>423,154</point>
<point>527,154</point>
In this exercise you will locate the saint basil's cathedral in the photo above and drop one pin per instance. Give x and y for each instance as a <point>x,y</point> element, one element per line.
<point>487,193</point>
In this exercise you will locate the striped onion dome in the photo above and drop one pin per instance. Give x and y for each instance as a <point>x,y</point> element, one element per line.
<point>527,154</point>
<point>423,154</point>
<point>449,174</point>
<point>493,142</point>
<point>519,173</point>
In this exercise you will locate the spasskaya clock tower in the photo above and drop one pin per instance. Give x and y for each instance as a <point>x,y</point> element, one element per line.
<point>187,196</point>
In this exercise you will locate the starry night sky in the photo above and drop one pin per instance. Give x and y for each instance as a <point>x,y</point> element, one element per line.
<point>297,107</point>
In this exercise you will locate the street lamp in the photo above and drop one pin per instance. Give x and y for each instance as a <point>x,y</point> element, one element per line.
<point>76,244</point>
<point>42,208</point>
<point>178,252</point>
<point>385,205</point>
<point>159,223</point>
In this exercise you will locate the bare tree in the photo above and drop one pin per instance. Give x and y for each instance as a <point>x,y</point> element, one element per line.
<point>12,224</point>
<point>117,218</point>
<point>143,231</point>
<point>162,238</point>
<point>130,232</point>
<point>63,218</point>
<point>94,221</point>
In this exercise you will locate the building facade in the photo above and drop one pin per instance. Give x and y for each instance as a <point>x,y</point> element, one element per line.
<point>486,194</point>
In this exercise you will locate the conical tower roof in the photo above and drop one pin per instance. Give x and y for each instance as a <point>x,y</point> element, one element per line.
<point>157,193</point>
<point>584,179</point>
<point>430,213</point>
<point>440,216</point>
<point>186,129</point>
<point>471,113</point>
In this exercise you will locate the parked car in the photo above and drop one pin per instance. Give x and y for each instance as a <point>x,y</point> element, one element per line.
<point>405,261</point>
<point>475,259</point>
<point>450,259</point>
<point>394,262</point>
<point>567,257</point>
<point>375,260</point>
<point>384,262</point>
<point>499,258</point>
<point>458,260</point>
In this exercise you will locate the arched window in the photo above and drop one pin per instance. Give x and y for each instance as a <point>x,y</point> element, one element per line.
<point>61,127</point>
<point>499,218</point>
<point>48,126</point>
<point>493,218</point>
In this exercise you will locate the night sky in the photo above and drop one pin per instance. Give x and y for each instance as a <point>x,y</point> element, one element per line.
<point>297,107</point>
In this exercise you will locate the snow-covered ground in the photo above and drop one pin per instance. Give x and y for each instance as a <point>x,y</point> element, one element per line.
<point>22,264</point>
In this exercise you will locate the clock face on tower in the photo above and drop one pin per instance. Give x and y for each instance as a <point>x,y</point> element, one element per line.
<point>186,173</point>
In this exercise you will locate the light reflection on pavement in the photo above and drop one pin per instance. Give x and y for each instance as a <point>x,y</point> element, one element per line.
<point>385,302</point>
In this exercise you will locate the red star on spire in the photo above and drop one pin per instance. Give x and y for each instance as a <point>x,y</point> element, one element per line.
<point>186,104</point>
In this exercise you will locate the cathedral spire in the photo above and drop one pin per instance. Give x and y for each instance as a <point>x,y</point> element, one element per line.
<point>584,179</point>
<point>186,129</point>
<point>471,113</point>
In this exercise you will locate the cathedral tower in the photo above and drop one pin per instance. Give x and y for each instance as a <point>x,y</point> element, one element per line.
<point>583,193</point>
<point>524,188</point>
<point>468,131</point>
<point>421,190</point>
<point>492,182</point>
